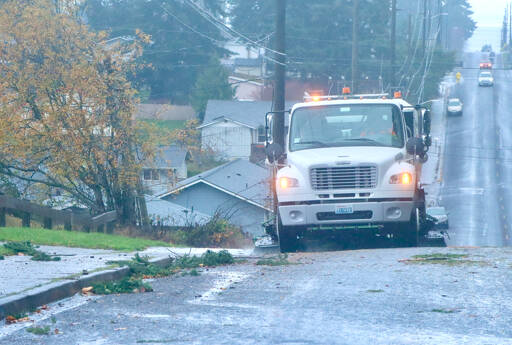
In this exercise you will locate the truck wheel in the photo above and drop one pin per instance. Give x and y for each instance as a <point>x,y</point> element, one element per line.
<point>406,236</point>
<point>408,233</point>
<point>288,241</point>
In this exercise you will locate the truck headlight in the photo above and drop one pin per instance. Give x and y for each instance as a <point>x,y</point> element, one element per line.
<point>403,178</point>
<point>288,182</point>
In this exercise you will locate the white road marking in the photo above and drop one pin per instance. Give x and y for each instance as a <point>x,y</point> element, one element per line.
<point>149,316</point>
<point>223,283</point>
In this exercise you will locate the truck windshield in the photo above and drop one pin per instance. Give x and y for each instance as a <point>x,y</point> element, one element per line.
<point>346,125</point>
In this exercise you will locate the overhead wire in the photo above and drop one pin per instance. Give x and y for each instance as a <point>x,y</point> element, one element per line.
<point>231,32</point>
<point>411,58</point>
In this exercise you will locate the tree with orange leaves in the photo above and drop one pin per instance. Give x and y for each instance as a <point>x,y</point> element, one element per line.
<point>66,108</point>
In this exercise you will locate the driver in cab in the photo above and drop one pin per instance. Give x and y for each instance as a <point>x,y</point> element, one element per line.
<point>379,128</point>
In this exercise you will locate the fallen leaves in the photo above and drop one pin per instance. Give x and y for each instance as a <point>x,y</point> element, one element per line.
<point>12,319</point>
<point>86,291</point>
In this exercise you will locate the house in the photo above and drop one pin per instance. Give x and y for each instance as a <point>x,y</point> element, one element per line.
<point>166,169</point>
<point>235,128</point>
<point>247,89</point>
<point>238,191</point>
<point>249,67</point>
<point>167,214</point>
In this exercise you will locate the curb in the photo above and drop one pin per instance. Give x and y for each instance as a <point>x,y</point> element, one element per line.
<point>25,302</point>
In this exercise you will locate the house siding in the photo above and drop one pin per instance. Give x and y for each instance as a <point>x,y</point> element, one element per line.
<point>206,199</point>
<point>166,179</point>
<point>229,139</point>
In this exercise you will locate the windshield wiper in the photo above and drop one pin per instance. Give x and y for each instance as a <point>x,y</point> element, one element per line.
<point>314,142</point>
<point>369,141</point>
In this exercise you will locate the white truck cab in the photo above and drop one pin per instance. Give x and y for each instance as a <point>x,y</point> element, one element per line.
<point>352,164</point>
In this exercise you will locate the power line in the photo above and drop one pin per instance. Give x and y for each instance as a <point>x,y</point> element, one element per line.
<point>191,28</point>
<point>205,12</point>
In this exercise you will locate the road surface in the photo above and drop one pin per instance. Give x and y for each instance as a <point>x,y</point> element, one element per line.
<point>352,297</point>
<point>477,173</point>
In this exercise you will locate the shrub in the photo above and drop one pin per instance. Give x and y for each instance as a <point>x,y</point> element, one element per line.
<point>215,233</point>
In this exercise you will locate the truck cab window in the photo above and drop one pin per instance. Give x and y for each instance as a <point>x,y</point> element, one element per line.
<point>346,125</point>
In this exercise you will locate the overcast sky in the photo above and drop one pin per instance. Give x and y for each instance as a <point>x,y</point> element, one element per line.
<point>489,12</point>
<point>489,18</point>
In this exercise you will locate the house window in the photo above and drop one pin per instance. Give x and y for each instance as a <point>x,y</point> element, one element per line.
<point>151,175</point>
<point>262,137</point>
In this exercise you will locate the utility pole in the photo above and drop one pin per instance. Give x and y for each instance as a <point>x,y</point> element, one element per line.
<point>393,42</point>
<point>355,46</point>
<point>429,21</point>
<point>409,36</point>
<point>424,45</point>
<point>440,24</point>
<point>510,24</point>
<point>280,72</point>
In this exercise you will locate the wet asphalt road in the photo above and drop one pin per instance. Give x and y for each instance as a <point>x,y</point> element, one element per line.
<point>477,175</point>
<point>351,297</point>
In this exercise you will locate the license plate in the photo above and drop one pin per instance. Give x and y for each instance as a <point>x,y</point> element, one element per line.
<point>345,209</point>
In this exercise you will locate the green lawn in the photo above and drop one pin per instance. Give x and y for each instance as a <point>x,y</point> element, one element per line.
<point>169,125</point>
<point>77,239</point>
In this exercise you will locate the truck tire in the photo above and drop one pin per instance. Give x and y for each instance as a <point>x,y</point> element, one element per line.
<point>288,241</point>
<point>408,234</point>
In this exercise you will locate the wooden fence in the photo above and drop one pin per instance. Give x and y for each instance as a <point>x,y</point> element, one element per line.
<point>49,216</point>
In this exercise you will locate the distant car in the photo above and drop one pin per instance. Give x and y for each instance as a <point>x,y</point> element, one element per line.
<point>454,107</point>
<point>440,215</point>
<point>486,65</point>
<point>485,78</point>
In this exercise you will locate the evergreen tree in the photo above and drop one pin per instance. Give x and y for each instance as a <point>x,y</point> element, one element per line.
<point>182,41</point>
<point>212,83</point>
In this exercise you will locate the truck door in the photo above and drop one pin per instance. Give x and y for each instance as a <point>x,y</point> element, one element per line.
<point>409,123</point>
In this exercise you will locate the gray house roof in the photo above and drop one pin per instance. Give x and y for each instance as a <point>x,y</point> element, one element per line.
<point>239,178</point>
<point>170,214</point>
<point>248,113</point>
<point>168,157</point>
<point>164,112</point>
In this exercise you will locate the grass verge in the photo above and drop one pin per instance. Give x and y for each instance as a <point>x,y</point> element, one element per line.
<point>166,125</point>
<point>77,239</point>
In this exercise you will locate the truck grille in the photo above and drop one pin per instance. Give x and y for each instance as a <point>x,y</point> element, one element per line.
<point>354,216</point>
<point>361,177</point>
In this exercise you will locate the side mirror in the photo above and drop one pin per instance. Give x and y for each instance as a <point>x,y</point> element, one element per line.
<point>274,152</point>
<point>427,122</point>
<point>415,146</point>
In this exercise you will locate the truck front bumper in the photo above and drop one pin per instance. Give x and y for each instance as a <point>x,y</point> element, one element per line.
<point>378,212</point>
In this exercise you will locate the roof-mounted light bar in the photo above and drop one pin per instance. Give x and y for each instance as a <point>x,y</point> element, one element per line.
<point>314,98</point>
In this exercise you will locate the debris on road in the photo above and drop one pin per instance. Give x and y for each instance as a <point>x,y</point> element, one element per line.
<point>280,260</point>
<point>442,259</point>
<point>11,319</point>
<point>26,248</point>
